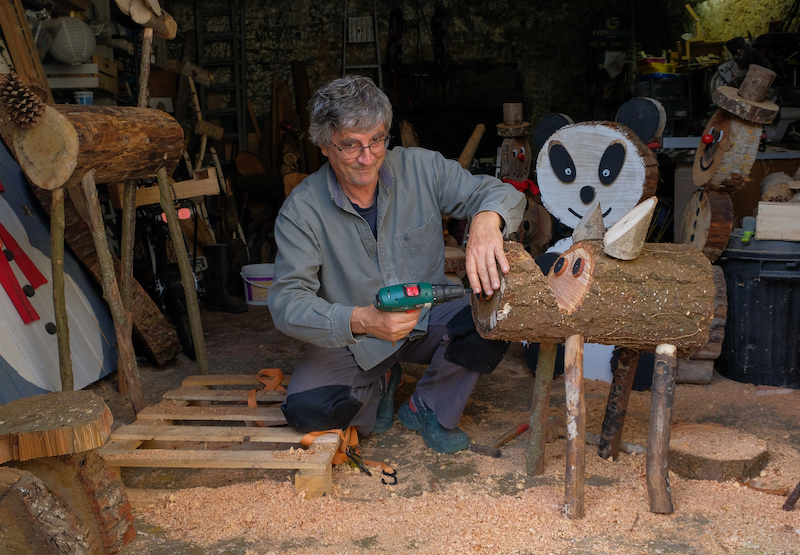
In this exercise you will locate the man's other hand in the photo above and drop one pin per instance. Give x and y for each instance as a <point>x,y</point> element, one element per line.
<point>391,326</point>
<point>485,252</point>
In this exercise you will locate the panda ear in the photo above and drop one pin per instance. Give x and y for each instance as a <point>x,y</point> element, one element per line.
<point>548,125</point>
<point>644,116</point>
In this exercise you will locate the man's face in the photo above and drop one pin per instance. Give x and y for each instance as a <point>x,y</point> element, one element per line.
<point>359,172</point>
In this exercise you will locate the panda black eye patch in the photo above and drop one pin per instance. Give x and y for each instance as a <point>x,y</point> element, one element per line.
<point>562,163</point>
<point>611,163</point>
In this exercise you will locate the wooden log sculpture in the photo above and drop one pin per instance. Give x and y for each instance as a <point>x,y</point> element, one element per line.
<point>662,301</point>
<point>747,102</point>
<point>726,153</point>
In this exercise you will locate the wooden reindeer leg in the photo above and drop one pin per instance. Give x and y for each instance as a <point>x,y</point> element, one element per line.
<point>545,365</point>
<point>127,357</point>
<point>187,277</point>
<point>663,397</point>
<point>576,427</point>
<point>59,297</point>
<point>618,396</point>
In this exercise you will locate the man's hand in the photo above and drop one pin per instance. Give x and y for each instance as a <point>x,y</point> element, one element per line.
<point>391,326</point>
<point>485,252</point>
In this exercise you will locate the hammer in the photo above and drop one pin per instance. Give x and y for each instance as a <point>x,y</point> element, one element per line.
<point>554,431</point>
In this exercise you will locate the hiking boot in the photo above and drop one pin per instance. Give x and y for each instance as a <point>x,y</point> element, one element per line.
<point>437,437</point>
<point>385,416</point>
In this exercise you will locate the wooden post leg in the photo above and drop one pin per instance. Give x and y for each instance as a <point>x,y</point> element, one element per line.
<point>59,298</point>
<point>545,365</point>
<point>663,398</point>
<point>617,407</point>
<point>187,276</point>
<point>576,427</point>
<point>111,293</point>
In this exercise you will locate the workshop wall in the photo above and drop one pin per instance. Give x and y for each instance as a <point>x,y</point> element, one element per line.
<point>723,20</point>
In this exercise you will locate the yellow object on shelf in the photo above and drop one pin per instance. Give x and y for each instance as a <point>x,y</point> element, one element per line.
<point>655,67</point>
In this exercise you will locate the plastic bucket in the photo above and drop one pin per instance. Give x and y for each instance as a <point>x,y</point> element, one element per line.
<point>257,279</point>
<point>84,98</point>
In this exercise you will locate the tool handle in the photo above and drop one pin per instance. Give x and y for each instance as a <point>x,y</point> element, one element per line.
<point>521,428</point>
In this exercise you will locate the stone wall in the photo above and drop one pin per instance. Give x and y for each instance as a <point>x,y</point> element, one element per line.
<point>723,20</point>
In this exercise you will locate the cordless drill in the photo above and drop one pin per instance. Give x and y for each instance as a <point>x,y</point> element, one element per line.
<point>411,296</point>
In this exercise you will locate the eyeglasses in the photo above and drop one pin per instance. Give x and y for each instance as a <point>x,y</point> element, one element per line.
<point>354,151</point>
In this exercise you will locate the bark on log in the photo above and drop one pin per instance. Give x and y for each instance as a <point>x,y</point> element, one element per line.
<point>617,406</point>
<point>151,329</point>
<point>725,163</point>
<point>708,222</point>
<point>665,295</point>
<point>716,332</point>
<point>119,143</point>
<point>42,522</point>
<point>662,401</point>
<point>92,492</point>
<point>53,424</point>
<point>534,452</point>
<point>575,476</point>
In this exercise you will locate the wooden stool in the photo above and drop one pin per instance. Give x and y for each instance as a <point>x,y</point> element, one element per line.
<point>50,442</point>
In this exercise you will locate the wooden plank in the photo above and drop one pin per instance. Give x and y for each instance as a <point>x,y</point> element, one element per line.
<point>149,432</point>
<point>64,69</point>
<point>223,395</point>
<point>223,379</point>
<point>187,458</point>
<point>779,221</point>
<point>269,415</point>
<point>19,39</point>
<point>204,183</point>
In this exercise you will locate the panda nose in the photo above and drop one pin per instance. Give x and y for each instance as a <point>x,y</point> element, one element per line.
<point>587,194</point>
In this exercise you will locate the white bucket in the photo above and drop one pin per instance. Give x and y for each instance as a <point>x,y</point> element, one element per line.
<point>84,98</point>
<point>257,279</point>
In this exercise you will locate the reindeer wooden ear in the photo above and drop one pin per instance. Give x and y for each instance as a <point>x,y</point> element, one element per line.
<point>644,116</point>
<point>625,239</point>
<point>591,225</point>
<point>548,125</point>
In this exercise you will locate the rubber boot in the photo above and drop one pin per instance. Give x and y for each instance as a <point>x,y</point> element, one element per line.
<point>216,279</point>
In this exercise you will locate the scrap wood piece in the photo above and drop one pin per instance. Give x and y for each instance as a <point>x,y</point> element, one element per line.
<point>408,137</point>
<point>715,452</point>
<point>472,145</point>
<point>53,424</point>
<point>708,222</point>
<point>150,327</point>
<point>585,284</point>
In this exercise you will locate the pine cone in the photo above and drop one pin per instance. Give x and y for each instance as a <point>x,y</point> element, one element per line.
<point>23,106</point>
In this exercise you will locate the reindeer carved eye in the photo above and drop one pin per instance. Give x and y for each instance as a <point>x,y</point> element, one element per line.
<point>577,267</point>
<point>559,266</point>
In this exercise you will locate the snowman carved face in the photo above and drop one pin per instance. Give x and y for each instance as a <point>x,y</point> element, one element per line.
<point>589,161</point>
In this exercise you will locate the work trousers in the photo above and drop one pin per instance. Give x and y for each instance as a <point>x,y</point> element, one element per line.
<point>330,390</point>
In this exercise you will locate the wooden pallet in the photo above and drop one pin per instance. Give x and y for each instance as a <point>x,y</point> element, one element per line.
<point>165,434</point>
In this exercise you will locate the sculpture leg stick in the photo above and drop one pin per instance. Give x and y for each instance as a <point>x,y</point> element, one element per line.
<point>617,407</point>
<point>662,400</point>
<point>576,427</point>
<point>545,365</point>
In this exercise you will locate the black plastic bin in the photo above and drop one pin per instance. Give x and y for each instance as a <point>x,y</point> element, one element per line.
<point>762,332</point>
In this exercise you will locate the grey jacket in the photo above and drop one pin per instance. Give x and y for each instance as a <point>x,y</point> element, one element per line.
<point>328,261</point>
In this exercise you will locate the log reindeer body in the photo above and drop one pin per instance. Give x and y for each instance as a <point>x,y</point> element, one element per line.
<point>664,296</point>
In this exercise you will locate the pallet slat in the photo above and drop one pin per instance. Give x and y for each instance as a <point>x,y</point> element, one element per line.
<point>222,395</point>
<point>209,458</point>
<point>271,416</point>
<point>147,432</point>
<point>211,379</point>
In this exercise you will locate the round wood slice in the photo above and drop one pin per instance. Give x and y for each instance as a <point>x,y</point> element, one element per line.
<point>760,112</point>
<point>708,222</point>
<point>713,452</point>
<point>726,162</point>
<point>595,160</point>
<point>53,424</point>
<point>35,521</point>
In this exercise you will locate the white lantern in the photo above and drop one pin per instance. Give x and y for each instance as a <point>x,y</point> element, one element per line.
<point>74,43</point>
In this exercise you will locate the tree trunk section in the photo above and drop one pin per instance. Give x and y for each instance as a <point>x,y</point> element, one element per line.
<point>534,452</point>
<point>575,476</point>
<point>714,452</point>
<point>665,295</point>
<point>725,163</point>
<point>662,401</point>
<point>617,406</point>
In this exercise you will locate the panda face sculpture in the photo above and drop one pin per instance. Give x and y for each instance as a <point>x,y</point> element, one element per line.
<point>589,161</point>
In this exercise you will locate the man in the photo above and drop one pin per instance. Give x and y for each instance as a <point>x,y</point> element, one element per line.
<point>370,218</point>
